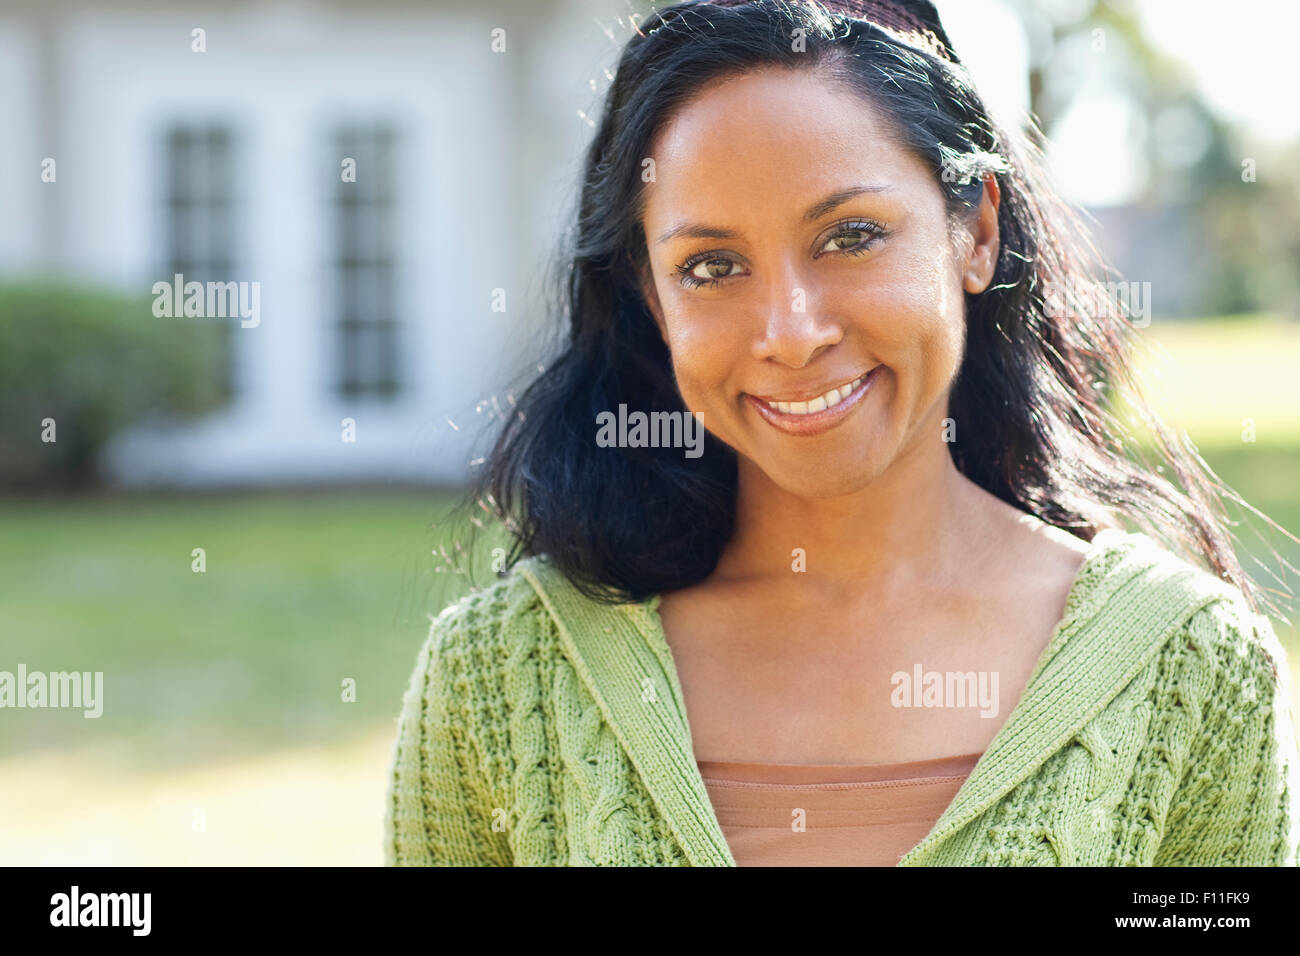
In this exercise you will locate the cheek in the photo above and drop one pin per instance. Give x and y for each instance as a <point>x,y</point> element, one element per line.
<point>705,351</point>
<point>914,320</point>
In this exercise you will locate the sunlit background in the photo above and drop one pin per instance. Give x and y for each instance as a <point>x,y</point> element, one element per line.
<point>241,521</point>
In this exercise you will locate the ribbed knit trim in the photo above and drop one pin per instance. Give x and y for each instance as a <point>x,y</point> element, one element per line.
<point>619,668</point>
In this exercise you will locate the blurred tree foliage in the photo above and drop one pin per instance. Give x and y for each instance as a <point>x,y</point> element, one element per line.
<point>1248,229</point>
<point>94,362</point>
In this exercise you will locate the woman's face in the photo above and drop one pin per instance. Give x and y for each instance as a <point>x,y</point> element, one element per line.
<point>795,248</point>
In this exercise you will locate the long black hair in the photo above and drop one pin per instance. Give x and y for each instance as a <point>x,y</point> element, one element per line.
<point>1044,358</point>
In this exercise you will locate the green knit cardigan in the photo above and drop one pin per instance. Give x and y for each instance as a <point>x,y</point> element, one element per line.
<point>542,728</point>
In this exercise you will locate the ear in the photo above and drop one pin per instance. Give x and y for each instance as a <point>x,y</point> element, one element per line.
<point>651,296</point>
<point>982,257</point>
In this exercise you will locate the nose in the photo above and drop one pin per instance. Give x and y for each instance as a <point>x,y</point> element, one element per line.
<point>795,328</point>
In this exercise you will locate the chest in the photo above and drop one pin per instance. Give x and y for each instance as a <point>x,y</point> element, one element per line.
<point>766,681</point>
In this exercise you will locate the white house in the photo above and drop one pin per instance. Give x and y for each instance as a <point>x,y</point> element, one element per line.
<point>216,142</point>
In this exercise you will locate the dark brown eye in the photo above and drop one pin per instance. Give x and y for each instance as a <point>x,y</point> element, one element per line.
<point>707,270</point>
<point>847,240</point>
<point>715,268</point>
<point>853,238</point>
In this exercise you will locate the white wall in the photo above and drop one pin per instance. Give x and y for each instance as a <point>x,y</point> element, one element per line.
<point>20,160</point>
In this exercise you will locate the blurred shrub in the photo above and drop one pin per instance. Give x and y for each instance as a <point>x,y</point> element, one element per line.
<point>94,362</point>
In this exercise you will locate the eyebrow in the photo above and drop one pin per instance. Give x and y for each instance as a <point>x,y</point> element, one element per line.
<point>815,211</point>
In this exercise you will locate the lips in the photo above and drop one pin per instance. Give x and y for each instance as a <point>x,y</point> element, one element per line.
<point>828,399</point>
<point>806,415</point>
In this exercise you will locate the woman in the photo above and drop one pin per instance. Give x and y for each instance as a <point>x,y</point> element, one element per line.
<point>887,613</point>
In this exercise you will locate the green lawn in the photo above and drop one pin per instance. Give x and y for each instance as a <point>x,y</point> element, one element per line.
<point>224,739</point>
<point>1269,479</point>
<point>1220,378</point>
<point>1233,385</point>
<point>299,594</point>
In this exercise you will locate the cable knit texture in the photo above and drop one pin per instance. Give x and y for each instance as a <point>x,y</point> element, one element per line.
<point>543,729</point>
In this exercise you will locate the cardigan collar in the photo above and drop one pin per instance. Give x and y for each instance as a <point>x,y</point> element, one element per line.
<point>620,653</point>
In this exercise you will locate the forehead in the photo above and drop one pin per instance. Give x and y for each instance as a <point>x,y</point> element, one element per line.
<point>773,134</point>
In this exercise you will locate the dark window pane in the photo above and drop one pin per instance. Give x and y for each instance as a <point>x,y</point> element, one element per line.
<point>199,224</point>
<point>367,330</point>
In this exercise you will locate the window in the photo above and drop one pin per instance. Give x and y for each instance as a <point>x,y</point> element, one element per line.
<point>199,218</point>
<point>365,319</point>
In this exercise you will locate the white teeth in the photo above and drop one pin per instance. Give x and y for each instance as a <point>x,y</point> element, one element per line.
<point>821,403</point>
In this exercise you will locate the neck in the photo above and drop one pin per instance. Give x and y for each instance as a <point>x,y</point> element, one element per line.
<point>919,519</point>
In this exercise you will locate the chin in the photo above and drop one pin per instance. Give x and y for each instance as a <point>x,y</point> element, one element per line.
<point>824,480</point>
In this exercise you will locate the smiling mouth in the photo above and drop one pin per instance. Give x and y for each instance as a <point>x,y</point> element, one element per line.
<point>821,402</point>
<point>814,415</point>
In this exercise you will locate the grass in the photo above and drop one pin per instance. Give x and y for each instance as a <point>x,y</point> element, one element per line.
<point>1228,382</point>
<point>225,737</point>
<point>1232,385</point>
<point>298,595</point>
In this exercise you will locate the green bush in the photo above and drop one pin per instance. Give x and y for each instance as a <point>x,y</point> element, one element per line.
<point>95,362</point>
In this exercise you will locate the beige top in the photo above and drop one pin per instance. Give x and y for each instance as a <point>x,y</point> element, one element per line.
<point>830,814</point>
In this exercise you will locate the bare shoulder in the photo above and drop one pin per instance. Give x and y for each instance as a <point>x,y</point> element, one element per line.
<point>1022,542</point>
<point>1028,568</point>
<point>1055,544</point>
